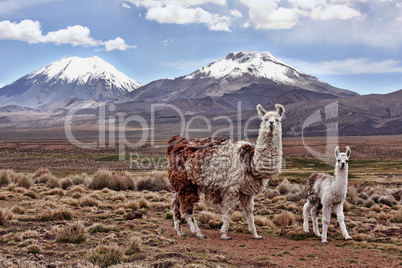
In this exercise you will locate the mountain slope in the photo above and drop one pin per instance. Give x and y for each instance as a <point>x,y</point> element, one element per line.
<point>230,74</point>
<point>68,78</point>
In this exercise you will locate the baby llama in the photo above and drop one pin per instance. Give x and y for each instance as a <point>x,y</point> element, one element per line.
<point>324,191</point>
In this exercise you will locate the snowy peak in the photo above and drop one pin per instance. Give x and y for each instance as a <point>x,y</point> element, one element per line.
<point>82,70</point>
<point>250,63</point>
<point>69,78</point>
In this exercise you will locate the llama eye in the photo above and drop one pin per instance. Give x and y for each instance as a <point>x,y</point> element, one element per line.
<point>339,161</point>
<point>277,120</point>
<point>347,161</point>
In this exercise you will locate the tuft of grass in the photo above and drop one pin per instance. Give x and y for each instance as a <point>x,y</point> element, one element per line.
<point>269,193</point>
<point>157,183</point>
<point>134,246</point>
<point>53,183</point>
<point>32,194</point>
<point>114,180</point>
<point>4,178</point>
<point>133,205</point>
<point>143,203</point>
<point>397,217</point>
<point>66,182</point>
<point>100,228</point>
<point>5,216</point>
<point>44,178</point>
<point>72,233</point>
<point>59,214</point>
<point>105,255</point>
<point>237,216</point>
<point>18,210</point>
<point>34,249</point>
<point>88,202</point>
<point>23,181</point>
<point>40,172</point>
<point>206,216</point>
<point>284,219</point>
<point>263,221</point>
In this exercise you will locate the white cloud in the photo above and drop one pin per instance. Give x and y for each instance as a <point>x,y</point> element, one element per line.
<point>27,30</point>
<point>236,13</point>
<point>269,14</point>
<point>116,44</point>
<point>184,12</point>
<point>75,35</point>
<point>30,31</point>
<point>125,5</point>
<point>342,12</point>
<point>13,6</point>
<point>348,66</point>
<point>189,65</point>
<point>167,42</point>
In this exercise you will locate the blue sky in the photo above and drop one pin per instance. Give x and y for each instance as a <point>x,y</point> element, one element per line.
<point>352,44</point>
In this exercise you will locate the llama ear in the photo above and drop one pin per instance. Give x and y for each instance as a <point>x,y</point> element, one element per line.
<point>336,151</point>
<point>280,109</point>
<point>261,111</point>
<point>348,151</point>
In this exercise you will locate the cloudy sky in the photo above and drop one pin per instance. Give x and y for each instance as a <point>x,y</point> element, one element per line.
<point>352,44</point>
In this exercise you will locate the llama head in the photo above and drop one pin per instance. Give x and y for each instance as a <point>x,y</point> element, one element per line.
<point>271,121</point>
<point>342,159</point>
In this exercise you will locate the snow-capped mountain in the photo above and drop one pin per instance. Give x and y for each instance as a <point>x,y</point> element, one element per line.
<point>68,78</point>
<point>232,75</point>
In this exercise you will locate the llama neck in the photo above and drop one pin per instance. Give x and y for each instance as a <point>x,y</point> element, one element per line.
<point>268,155</point>
<point>341,179</point>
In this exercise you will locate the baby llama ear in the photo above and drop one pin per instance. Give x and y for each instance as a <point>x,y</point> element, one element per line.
<point>336,151</point>
<point>261,111</point>
<point>280,109</point>
<point>348,151</point>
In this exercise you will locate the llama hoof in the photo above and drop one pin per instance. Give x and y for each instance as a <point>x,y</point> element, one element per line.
<point>182,234</point>
<point>226,238</point>
<point>258,237</point>
<point>201,236</point>
<point>318,235</point>
<point>324,241</point>
<point>348,238</point>
<point>306,231</point>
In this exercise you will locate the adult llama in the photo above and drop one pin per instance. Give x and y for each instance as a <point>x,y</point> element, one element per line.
<point>225,171</point>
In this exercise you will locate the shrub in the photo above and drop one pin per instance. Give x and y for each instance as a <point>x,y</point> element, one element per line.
<point>88,202</point>
<point>73,233</point>
<point>60,214</point>
<point>269,193</point>
<point>53,183</point>
<point>4,178</point>
<point>105,255</point>
<point>133,205</point>
<point>263,221</point>
<point>157,183</point>
<point>296,197</point>
<point>143,203</point>
<point>117,181</point>
<point>237,216</point>
<point>369,203</point>
<point>31,194</point>
<point>66,182</point>
<point>205,216</point>
<point>376,208</point>
<point>352,195</point>
<point>284,219</point>
<point>397,217</point>
<point>18,210</point>
<point>40,172</point>
<point>100,228</point>
<point>34,249</point>
<point>23,181</point>
<point>44,178</point>
<point>284,187</point>
<point>346,206</point>
<point>134,246</point>
<point>388,200</point>
<point>77,179</point>
<point>5,216</point>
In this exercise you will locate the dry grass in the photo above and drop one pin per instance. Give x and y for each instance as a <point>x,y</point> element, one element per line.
<point>40,172</point>
<point>114,180</point>
<point>66,182</point>
<point>134,246</point>
<point>5,216</point>
<point>284,219</point>
<point>73,233</point>
<point>53,183</point>
<point>156,183</point>
<point>88,202</point>
<point>263,221</point>
<point>105,255</point>
<point>4,178</point>
<point>57,214</point>
<point>23,181</point>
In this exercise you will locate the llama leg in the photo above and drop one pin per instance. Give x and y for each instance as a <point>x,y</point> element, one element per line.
<point>314,214</point>
<point>177,216</point>
<point>247,205</point>
<point>187,200</point>
<point>306,214</point>
<point>228,209</point>
<point>341,220</point>
<point>326,217</point>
